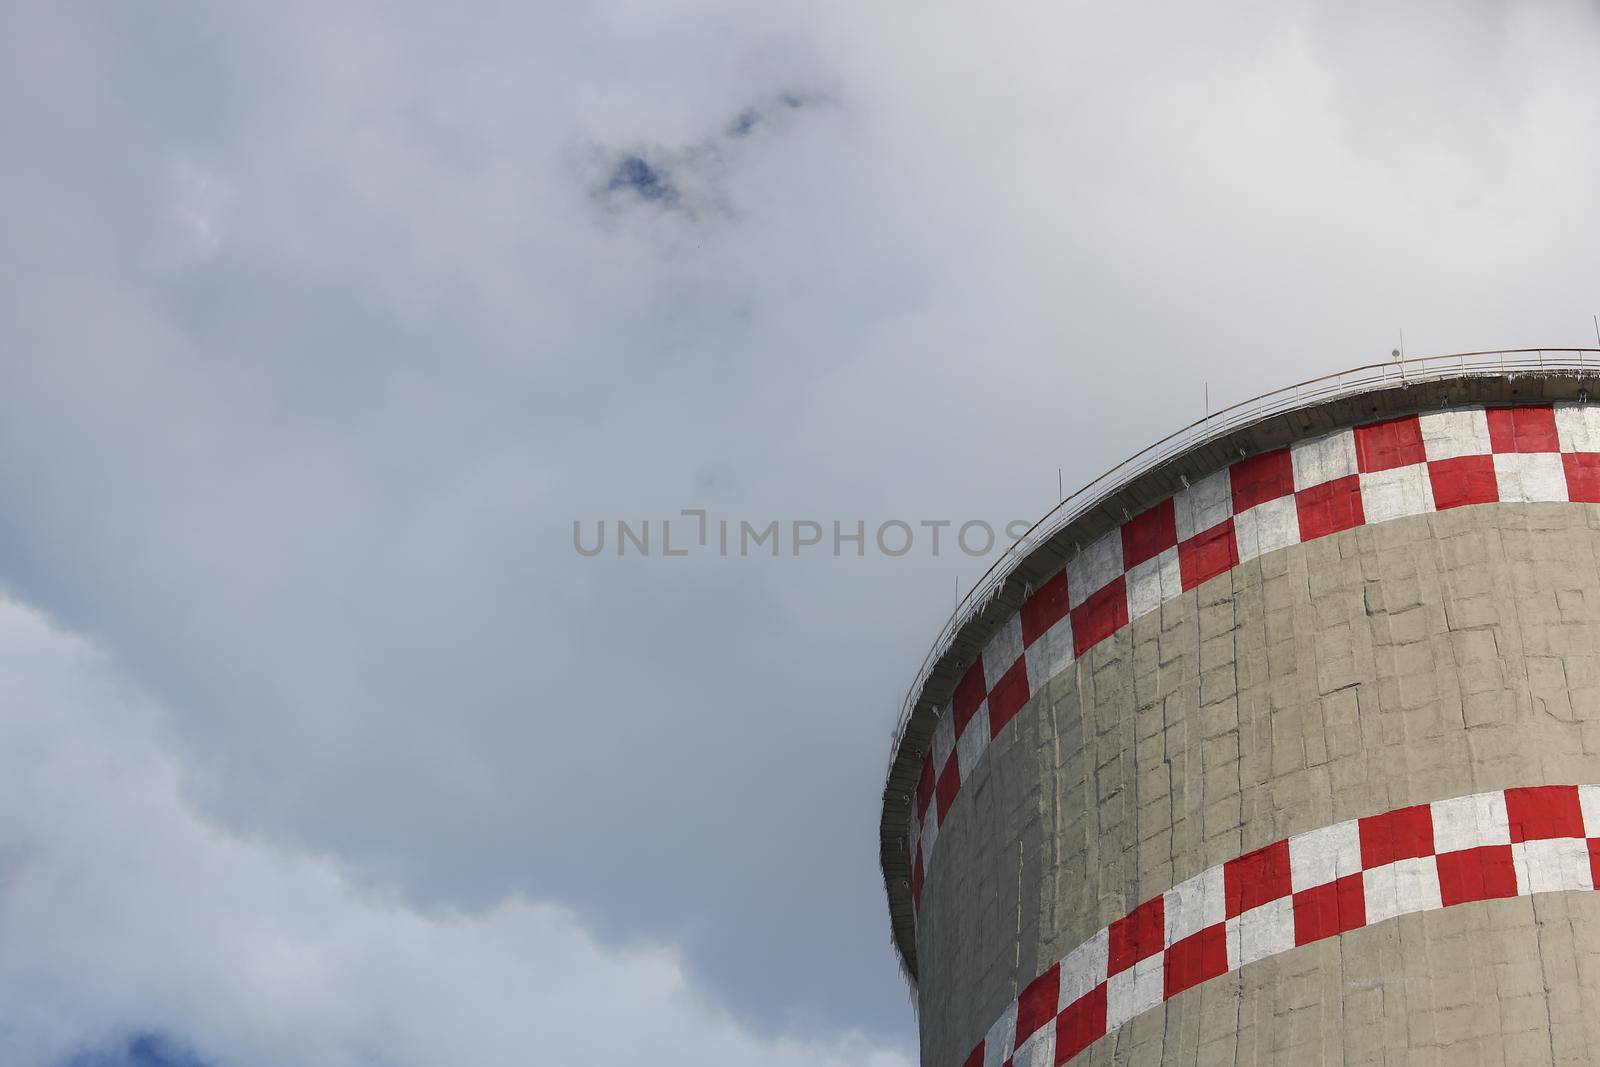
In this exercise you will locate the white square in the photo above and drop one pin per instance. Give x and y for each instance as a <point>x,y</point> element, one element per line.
<point>1323,459</point>
<point>1267,527</point>
<point>1039,1050</point>
<point>1401,888</point>
<point>930,834</point>
<point>997,1045</point>
<point>1396,492</point>
<point>1470,822</point>
<point>1194,905</point>
<point>1552,866</point>
<point>1084,968</point>
<point>1094,568</point>
<point>1261,932</point>
<point>1578,427</point>
<point>944,740</point>
<point>1589,804</point>
<point>973,741</point>
<point>1153,582</point>
<point>1530,476</point>
<point>1203,505</point>
<point>1320,856</point>
<point>1050,654</point>
<point>1135,990</point>
<point>1002,651</point>
<point>1461,432</point>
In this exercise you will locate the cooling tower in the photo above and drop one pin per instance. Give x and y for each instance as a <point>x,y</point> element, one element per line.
<point>1280,743</point>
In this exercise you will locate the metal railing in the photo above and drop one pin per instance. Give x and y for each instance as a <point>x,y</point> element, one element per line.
<point>1246,412</point>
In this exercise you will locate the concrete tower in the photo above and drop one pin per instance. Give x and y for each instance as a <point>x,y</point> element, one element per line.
<point>1279,744</point>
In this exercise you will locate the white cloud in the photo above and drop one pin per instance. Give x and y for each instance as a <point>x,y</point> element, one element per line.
<point>201,201</point>
<point>121,907</point>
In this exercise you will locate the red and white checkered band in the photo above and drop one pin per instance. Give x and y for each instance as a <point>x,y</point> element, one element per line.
<point>1368,474</point>
<point>1513,842</point>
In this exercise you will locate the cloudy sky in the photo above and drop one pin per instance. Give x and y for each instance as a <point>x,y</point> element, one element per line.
<point>321,324</point>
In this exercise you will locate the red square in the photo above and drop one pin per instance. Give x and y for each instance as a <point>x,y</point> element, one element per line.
<point>1463,480</point>
<point>1037,1004</point>
<point>1046,607</point>
<point>949,785</point>
<point>976,1058</point>
<point>1402,834</point>
<point>1329,507</point>
<point>1081,1024</point>
<point>1148,535</point>
<point>1102,615</point>
<point>1330,909</point>
<point>1542,812</point>
<point>1008,696</point>
<point>1138,935</point>
<point>916,880</point>
<point>1256,878</point>
<point>1385,445</point>
<point>1476,874</point>
<point>1594,859</point>
<point>969,694</point>
<point>1196,958</point>
<point>1583,476</point>
<point>925,782</point>
<point>1261,478</point>
<point>1523,429</point>
<point>1208,554</point>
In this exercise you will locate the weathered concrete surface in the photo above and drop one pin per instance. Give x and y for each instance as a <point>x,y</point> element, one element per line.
<point>1393,664</point>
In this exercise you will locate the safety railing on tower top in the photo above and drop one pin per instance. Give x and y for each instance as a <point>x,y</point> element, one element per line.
<point>1214,425</point>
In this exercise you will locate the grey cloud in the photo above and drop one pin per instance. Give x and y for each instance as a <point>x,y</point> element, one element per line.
<point>695,176</point>
<point>123,903</point>
<point>634,174</point>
